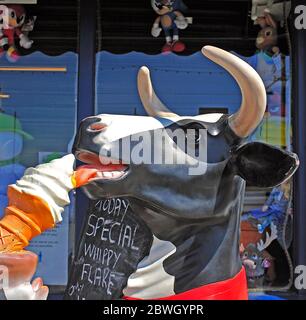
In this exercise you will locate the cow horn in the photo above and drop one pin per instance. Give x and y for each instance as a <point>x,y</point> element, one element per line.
<point>253,104</point>
<point>150,101</point>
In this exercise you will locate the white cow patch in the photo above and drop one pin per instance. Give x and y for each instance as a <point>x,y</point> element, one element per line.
<point>150,280</point>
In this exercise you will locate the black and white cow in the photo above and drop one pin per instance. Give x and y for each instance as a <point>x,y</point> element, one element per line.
<point>192,221</point>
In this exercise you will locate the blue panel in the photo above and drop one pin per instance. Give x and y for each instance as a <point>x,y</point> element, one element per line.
<point>184,83</point>
<point>44,102</point>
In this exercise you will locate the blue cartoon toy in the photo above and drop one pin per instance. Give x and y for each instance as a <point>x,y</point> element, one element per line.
<point>273,211</point>
<point>171,19</point>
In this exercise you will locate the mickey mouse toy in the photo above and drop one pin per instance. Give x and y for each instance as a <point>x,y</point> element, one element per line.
<point>171,19</point>
<point>12,21</point>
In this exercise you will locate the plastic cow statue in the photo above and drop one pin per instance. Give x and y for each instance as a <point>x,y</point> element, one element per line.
<point>179,228</point>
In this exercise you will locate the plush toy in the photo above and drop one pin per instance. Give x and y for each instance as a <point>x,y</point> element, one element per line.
<point>13,19</point>
<point>274,209</point>
<point>3,17</point>
<point>171,19</point>
<point>267,37</point>
<point>257,261</point>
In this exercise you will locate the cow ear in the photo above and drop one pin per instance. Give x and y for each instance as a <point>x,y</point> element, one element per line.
<point>262,165</point>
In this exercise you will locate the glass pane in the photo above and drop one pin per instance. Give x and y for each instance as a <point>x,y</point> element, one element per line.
<point>190,85</point>
<point>38,86</point>
<point>268,214</point>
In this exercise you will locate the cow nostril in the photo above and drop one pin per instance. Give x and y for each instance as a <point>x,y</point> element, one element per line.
<point>96,127</point>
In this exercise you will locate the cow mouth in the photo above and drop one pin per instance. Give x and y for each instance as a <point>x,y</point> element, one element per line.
<point>100,168</point>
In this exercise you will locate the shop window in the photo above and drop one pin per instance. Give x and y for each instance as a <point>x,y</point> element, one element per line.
<point>38,86</point>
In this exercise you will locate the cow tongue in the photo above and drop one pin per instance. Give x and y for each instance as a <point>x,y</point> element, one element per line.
<point>84,174</point>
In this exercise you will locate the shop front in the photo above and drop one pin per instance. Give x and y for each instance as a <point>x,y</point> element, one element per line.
<point>68,60</point>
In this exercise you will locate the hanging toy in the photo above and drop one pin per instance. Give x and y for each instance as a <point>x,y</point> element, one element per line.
<point>267,37</point>
<point>171,19</point>
<point>13,19</point>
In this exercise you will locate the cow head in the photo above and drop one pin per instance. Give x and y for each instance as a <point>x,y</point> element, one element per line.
<point>217,148</point>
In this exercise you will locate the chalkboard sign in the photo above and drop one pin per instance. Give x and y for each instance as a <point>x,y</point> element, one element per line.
<point>113,242</point>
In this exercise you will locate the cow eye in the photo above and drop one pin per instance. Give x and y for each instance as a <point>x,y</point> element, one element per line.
<point>13,14</point>
<point>97,127</point>
<point>245,255</point>
<point>254,256</point>
<point>193,136</point>
<point>193,132</point>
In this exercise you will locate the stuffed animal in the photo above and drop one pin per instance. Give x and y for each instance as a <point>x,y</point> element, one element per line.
<point>267,37</point>
<point>171,19</point>
<point>258,262</point>
<point>13,18</point>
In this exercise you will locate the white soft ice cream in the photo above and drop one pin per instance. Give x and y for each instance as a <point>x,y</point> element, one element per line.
<point>51,182</point>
